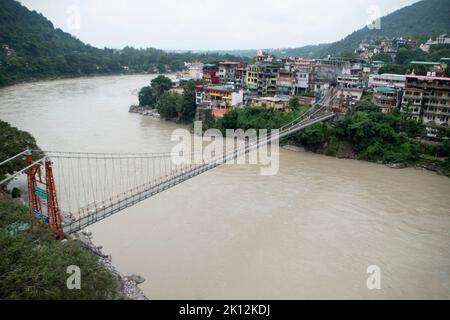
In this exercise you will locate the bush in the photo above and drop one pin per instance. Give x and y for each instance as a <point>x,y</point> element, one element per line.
<point>33,265</point>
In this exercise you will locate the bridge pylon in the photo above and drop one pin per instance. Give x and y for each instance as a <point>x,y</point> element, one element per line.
<point>43,200</point>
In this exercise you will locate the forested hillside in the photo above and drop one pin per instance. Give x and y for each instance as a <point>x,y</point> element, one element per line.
<point>31,48</point>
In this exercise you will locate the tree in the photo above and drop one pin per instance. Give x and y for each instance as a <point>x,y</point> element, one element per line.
<point>160,85</point>
<point>447,72</point>
<point>188,103</point>
<point>382,57</point>
<point>147,97</point>
<point>168,105</point>
<point>294,104</point>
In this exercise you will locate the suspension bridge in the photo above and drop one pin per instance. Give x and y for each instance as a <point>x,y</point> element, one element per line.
<point>70,191</point>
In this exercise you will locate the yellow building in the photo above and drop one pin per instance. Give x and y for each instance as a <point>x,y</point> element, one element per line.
<point>276,103</point>
<point>251,78</point>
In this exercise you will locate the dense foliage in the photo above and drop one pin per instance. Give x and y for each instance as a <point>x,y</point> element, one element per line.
<point>12,142</point>
<point>251,118</point>
<point>41,51</point>
<point>34,266</point>
<point>375,136</point>
<point>402,63</point>
<point>170,105</point>
<point>365,134</point>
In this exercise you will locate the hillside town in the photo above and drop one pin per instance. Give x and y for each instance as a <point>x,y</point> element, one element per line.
<point>270,82</point>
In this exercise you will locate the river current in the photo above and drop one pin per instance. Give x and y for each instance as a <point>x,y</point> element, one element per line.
<point>311,231</point>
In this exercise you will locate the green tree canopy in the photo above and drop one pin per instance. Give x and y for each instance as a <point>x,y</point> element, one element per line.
<point>169,105</point>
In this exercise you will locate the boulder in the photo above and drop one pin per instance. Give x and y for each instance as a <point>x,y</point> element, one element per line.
<point>134,277</point>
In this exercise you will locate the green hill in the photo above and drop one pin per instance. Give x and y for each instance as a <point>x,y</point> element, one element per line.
<point>422,20</point>
<point>37,50</point>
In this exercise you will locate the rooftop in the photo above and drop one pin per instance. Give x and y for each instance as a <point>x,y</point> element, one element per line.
<point>426,63</point>
<point>230,62</point>
<point>427,77</point>
<point>386,90</point>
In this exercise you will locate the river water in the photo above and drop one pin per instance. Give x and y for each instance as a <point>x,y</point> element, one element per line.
<point>309,232</point>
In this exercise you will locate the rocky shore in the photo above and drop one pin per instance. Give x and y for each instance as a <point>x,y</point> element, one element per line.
<point>145,111</point>
<point>128,282</point>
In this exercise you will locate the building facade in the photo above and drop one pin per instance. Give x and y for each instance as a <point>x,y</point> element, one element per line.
<point>427,99</point>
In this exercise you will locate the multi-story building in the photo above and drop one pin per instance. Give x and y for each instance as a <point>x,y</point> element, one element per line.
<point>427,98</point>
<point>387,98</point>
<point>349,81</point>
<point>277,103</point>
<point>285,82</point>
<point>328,70</point>
<point>240,76</point>
<point>227,72</point>
<point>251,77</point>
<point>195,70</point>
<point>387,80</point>
<point>218,99</point>
<point>303,70</point>
<point>442,39</point>
<point>267,79</point>
<point>210,74</point>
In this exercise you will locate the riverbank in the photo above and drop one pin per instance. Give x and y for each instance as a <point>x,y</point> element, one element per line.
<point>21,236</point>
<point>25,239</point>
<point>144,111</point>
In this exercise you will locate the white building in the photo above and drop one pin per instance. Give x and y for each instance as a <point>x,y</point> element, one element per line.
<point>387,80</point>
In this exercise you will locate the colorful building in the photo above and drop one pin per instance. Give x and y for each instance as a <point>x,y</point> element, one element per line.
<point>427,98</point>
<point>387,98</point>
<point>277,103</point>
<point>210,74</point>
<point>218,99</point>
<point>227,72</point>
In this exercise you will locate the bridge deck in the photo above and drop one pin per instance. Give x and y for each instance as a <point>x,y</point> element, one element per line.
<point>144,192</point>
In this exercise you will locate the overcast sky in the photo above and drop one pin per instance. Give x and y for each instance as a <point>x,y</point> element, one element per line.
<point>211,24</point>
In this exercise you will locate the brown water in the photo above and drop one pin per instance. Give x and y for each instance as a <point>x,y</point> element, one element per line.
<point>309,232</point>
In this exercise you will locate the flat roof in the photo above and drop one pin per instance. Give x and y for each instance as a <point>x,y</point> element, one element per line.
<point>389,75</point>
<point>428,63</point>
<point>427,77</point>
<point>386,89</point>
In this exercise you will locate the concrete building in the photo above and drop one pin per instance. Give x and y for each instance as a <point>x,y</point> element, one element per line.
<point>304,75</point>
<point>427,98</point>
<point>210,72</point>
<point>328,70</point>
<point>227,72</point>
<point>387,80</point>
<point>387,98</point>
<point>195,70</point>
<point>285,83</point>
<point>442,39</point>
<point>277,103</point>
<point>267,79</point>
<point>349,81</point>
<point>251,76</point>
<point>218,99</point>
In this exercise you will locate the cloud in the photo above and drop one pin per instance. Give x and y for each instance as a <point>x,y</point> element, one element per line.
<point>212,24</point>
